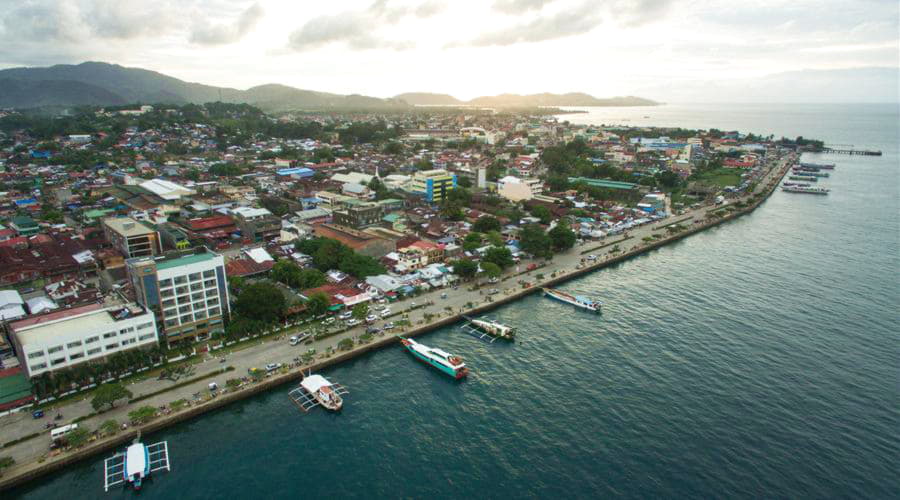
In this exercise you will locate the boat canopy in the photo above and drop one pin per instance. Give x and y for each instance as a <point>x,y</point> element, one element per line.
<point>135,460</point>
<point>313,383</point>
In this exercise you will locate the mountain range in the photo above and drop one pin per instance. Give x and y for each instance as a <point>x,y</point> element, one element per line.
<point>103,84</point>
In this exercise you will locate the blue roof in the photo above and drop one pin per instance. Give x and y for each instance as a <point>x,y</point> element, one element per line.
<point>26,201</point>
<point>297,170</point>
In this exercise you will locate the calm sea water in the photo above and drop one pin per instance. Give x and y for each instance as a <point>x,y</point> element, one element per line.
<point>758,359</point>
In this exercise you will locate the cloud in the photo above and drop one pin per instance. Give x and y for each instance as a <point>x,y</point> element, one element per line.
<point>355,28</point>
<point>220,34</point>
<point>519,6</point>
<point>429,9</point>
<point>563,24</point>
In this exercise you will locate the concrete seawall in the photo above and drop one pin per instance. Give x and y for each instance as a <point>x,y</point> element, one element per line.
<point>20,474</point>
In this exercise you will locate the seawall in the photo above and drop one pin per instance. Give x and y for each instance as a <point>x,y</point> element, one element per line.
<point>20,474</point>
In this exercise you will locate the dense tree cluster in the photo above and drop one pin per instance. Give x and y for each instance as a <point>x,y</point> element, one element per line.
<point>330,254</point>
<point>289,273</point>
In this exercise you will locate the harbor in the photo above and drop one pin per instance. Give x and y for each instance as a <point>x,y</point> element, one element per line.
<point>563,268</point>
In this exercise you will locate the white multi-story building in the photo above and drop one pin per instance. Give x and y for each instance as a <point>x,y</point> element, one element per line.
<point>188,293</point>
<point>70,337</point>
<point>516,189</point>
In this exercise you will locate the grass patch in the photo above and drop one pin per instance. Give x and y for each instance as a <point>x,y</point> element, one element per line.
<point>721,177</point>
<point>22,439</point>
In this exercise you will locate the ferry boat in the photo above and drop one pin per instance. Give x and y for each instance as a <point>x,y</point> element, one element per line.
<point>493,328</point>
<point>320,389</point>
<point>443,361</point>
<point>802,178</point>
<point>808,190</point>
<point>577,301</point>
<point>824,166</point>
<point>796,184</point>
<point>806,173</point>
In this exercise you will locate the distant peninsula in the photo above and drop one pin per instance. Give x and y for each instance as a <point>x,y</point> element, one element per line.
<point>523,101</point>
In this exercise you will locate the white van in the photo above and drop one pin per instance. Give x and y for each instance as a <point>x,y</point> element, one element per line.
<point>294,340</point>
<point>62,431</point>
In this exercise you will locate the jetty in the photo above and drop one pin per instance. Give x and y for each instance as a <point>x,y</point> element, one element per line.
<point>862,152</point>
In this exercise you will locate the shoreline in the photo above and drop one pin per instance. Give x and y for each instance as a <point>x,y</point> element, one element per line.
<point>20,474</point>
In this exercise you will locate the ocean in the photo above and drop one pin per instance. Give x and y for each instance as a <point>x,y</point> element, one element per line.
<point>758,359</point>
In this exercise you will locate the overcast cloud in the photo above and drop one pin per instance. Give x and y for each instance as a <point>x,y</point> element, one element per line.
<point>384,47</point>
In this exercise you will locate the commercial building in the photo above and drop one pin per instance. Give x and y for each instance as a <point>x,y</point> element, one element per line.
<point>516,189</point>
<point>362,242</point>
<point>69,337</point>
<point>359,216</point>
<point>132,238</point>
<point>434,185</point>
<point>188,293</point>
<point>257,224</point>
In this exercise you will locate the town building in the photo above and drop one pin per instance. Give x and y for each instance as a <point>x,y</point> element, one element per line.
<point>362,242</point>
<point>131,237</point>
<point>24,225</point>
<point>433,185</point>
<point>257,224</point>
<point>68,337</point>
<point>359,216</point>
<point>515,189</point>
<point>188,293</point>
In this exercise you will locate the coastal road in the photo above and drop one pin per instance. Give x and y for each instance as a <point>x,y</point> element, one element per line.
<point>278,350</point>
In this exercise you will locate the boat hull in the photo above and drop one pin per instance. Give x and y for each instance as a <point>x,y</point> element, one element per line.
<point>572,302</point>
<point>446,370</point>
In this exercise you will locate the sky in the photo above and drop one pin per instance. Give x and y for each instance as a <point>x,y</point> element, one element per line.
<point>661,49</point>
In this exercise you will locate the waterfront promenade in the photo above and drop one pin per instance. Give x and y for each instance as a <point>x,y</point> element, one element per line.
<point>441,312</point>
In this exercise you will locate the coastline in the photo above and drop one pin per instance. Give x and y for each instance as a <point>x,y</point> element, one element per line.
<point>26,472</point>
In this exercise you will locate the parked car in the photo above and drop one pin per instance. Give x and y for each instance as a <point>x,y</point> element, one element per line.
<point>388,326</point>
<point>592,257</point>
<point>294,340</point>
<point>385,312</point>
<point>272,367</point>
<point>345,315</point>
<point>493,291</point>
<point>371,318</point>
<point>328,321</point>
<point>352,322</point>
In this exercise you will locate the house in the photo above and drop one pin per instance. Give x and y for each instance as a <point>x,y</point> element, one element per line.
<point>11,305</point>
<point>515,189</point>
<point>131,237</point>
<point>359,216</point>
<point>24,225</point>
<point>257,224</point>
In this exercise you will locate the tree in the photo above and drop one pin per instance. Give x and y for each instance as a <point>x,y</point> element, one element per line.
<point>361,266</point>
<point>562,237</point>
<point>108,394</point>
<point>464,182</point>
<point>472,241</point>
<point>535,241</point>
<point>542,213</point>
<point>486,224</point>
<point>262,302</point>
<point>360,310</point>
<point>311,278</point>
<point>491,270</point>
<point>393,148</point>
<point>495,238</point>
<point>501,256</point>
<point>142,414</point>
<point>465,268</point>
<point>109,427</point>
<point>318,303</point>
<point>330,254</point>
<point>78,436</point>
<point>285,271</point>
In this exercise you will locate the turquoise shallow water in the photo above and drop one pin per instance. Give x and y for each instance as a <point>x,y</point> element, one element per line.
<point>758,359</point>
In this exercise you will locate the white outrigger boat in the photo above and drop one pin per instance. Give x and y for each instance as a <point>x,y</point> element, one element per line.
<point>316,390</point>
<point>135,464</point>
<point>577,301</point>
<point>481,327</point>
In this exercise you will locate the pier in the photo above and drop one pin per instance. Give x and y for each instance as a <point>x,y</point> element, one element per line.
<point>861,152</point>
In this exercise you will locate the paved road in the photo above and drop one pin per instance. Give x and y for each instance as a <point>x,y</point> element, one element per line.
<point>279,351</point>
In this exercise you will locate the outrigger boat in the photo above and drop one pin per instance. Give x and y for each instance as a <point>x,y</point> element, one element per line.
<point>443,361</point>
<point>316,390</point>
<point>136,464</point>
<point>577,301</point>
<point>491,328</point>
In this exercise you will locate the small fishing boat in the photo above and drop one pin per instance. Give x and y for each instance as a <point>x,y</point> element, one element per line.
<point>443,361</point>
<point>577,301</point>
<point>320,389</point>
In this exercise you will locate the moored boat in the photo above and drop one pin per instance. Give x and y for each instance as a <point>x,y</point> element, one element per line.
<point>825,166</point>
<point>796,184</point>
<point>493,328</point>
<point>802,178</point>
<point>320,389</point>
<point>577,301</point>
<point>807,190</point>
<point>443,361</point>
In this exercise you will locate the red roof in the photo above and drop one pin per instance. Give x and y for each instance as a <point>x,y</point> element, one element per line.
<point>246,267</point>
<point>44,318</point>
<point>216,222</point>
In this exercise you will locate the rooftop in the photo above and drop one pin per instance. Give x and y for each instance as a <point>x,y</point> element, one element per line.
<point>169,263</point>
<point>126,226</point>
